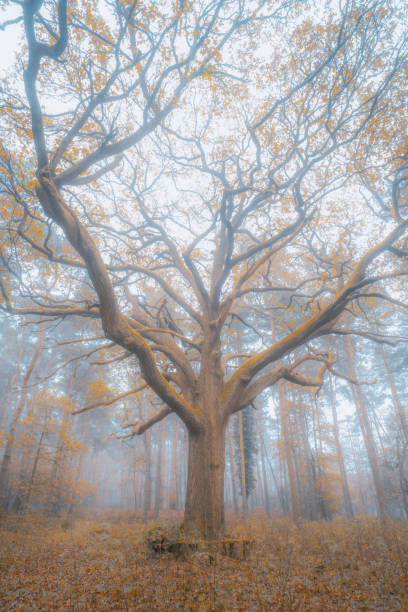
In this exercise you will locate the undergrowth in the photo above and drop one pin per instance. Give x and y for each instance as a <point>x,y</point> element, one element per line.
<point>101,565</point>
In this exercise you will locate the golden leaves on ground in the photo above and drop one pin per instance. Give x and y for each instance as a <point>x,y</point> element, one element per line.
<point>52,565</point>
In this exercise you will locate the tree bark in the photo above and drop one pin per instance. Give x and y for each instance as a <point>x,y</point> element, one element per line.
<point>147,493</point>
<point>10,394</point>
<point>159,475</point>
<point>263,467</point>
<point>242,464</point>
<point>54,498</point>
<point>403,479</point>
<point>174,501</point>
<point>348,507</point>
<point>82,453</point>
<point>366,431</point>
<point>5,466</point>
<point>283,414</point>
<point>27,496</point>
<point>204,510</point>
<point>232,470</point>
<point>397,404</point>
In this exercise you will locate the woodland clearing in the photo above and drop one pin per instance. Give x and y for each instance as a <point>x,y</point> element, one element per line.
<point>103,565</point>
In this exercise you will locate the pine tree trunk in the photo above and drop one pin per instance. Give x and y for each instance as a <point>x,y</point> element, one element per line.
<point>310,492</point>
<point>242,464</point>
<point>174,502</point>
<point>348,507</point>
<point>403,479</point>
<point>158,477</point>
<point>232,469</point>
<point>147,492</point>
<point>366,431</point>
<point>397,404</point>
<point>361,488</point>
<point>283,414</point>
<point>204,509</point>
<point>263,468</point>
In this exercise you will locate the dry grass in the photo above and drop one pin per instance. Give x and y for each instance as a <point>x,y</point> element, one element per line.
<point>103,565</point>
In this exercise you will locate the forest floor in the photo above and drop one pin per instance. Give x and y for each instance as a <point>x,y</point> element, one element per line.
<point>103,565</point>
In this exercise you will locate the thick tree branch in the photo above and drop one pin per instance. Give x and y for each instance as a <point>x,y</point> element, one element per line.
<point>313,327</point>
<point>287,372</point>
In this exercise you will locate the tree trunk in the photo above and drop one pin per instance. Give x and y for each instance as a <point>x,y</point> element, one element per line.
<point>147,492</point>
<point>204,510</point>
<point>174,501</point>
<point>263,468</point>
<point>356,455</point>
<point>232,470</point>
<point>397,404</point>
<point>158,477</point>
<point>287,444</point>
<point>367,432</point>
<point>27,496</point>
<point>311,509</point>
<point>54,498</point>
<point>9,393</point>
<point>82,453</point>
<point>403,479</point>
<point>348,507</point>
<point>5,466</point>
<point>242,464</point>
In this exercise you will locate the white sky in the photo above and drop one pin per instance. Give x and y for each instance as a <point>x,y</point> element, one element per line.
<point>9,38</point>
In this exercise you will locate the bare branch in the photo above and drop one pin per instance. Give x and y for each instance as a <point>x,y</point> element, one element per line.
<point>141,426</point>
<point>110,401</point>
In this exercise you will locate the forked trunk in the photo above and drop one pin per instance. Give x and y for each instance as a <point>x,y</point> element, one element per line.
<point>204,509</point>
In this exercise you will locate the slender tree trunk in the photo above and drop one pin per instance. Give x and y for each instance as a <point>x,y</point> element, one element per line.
<point>242,464</point>
<point>135,478</point>
<point>366,431</point>
<point>258,496</point>
<point>287,445</point>
<point>232,469</point>
<point>12,385</point>
<point>312,502</point>
<point>4,401</point>
<point>82,453</point>
<point>301,459</point>
<point>263,468</point>
<point>182,481</point>
<point>158,477</point>
<point>397,404</point>
<point>5,466</point>
<point>204,510</point>
<point>403,478</point>
<point>174,502</point>
<point>280,488</point>
<point>54,495</point>
<point>348,507</point>
<point>147,493</point>
<point>361,488</point>
<point>54,500</point>
<point>27,496</point>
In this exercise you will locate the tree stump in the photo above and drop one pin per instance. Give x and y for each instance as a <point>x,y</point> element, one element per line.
<point>160,541</point>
